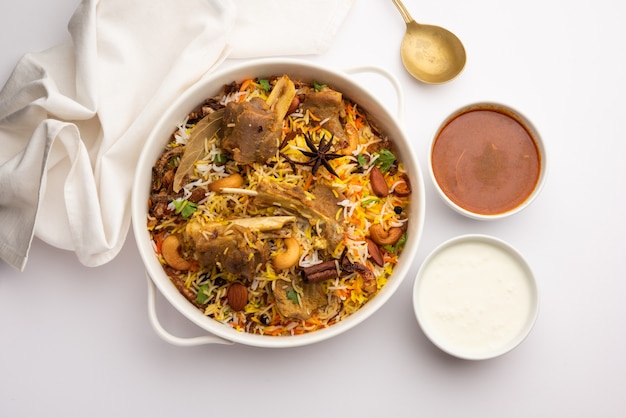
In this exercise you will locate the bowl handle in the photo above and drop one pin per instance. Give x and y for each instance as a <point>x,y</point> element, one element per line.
<point>165,335</point>
<point>392,79</point>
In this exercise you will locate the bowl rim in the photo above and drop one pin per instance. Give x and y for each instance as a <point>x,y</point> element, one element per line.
<point>536,136</point>
<point>516,256</point>
<point>211,85</point>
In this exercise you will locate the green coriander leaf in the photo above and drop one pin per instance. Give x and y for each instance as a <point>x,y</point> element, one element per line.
<point>202,295</point>
<point>265,85</point>
<point>369,201</point>
<point>393,249</point>
<point>319,87</point>
<point>220,159</point>
<point>173,162</point>
<point>293,296</point>
<point>361,159</point>
<point>178,204</point>
<point>385,160</point>
<point>401,241</point>
<point>184,208</point>
<point>189,209</point>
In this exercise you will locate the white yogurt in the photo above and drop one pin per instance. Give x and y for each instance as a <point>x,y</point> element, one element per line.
<point>475,297</point>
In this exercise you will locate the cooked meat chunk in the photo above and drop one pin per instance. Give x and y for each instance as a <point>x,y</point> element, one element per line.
<point>251,131</point>
<point>291,198</point>
<point>328,104</point>
<point>319,211</point>
<point>235,248</point>
<point>325,200</point>
<point>311,299</point>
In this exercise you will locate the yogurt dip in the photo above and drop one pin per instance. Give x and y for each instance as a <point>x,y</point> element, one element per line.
<point>475,297</point>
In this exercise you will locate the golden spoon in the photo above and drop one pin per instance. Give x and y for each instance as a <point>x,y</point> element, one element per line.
<point>430,53</point>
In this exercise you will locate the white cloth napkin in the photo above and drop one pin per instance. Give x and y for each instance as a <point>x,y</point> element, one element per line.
<point>73,118</point>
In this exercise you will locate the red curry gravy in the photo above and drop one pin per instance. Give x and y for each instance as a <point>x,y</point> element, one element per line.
<point>486,161</point>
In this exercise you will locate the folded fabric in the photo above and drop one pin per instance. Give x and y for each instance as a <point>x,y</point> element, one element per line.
<point>73,118</point>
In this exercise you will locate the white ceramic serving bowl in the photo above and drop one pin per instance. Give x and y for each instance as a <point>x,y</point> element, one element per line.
<point>534,133</point>
<point>475,297</point>
<point>296,69</point>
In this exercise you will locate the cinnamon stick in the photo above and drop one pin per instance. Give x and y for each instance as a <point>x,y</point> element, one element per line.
<point>320,272</point>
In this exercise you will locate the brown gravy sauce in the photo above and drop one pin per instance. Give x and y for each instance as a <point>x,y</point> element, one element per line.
<point>486,161</point>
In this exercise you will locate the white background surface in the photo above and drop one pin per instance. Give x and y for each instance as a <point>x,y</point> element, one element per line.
<point>75,341</point>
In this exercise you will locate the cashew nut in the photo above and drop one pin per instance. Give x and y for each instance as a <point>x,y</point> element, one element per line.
<point>382,237</point>
<point>234,180</point>
<point>289,257</point>
<point>170,251</point>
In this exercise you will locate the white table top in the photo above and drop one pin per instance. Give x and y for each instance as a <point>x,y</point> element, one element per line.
<point>76,341</point>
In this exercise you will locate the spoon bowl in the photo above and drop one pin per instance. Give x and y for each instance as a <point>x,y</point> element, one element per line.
<point>431,54</point>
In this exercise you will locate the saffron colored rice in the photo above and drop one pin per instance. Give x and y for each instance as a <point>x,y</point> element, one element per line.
<point>357,211</point>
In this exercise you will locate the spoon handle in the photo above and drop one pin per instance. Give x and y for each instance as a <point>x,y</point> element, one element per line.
<point>403,11</point>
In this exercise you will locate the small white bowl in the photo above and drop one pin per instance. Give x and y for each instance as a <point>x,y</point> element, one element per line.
<point>475,297</point>
<point>490,172</point>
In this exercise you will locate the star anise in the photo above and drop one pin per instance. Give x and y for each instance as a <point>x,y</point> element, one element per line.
<point>320,155</point>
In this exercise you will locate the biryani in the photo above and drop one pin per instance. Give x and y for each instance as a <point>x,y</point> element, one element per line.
<point>278,207</point>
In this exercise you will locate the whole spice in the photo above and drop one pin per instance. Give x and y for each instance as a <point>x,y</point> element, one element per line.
<point>205,129</point>
<point>320,155</point>
<point>320,272</point>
